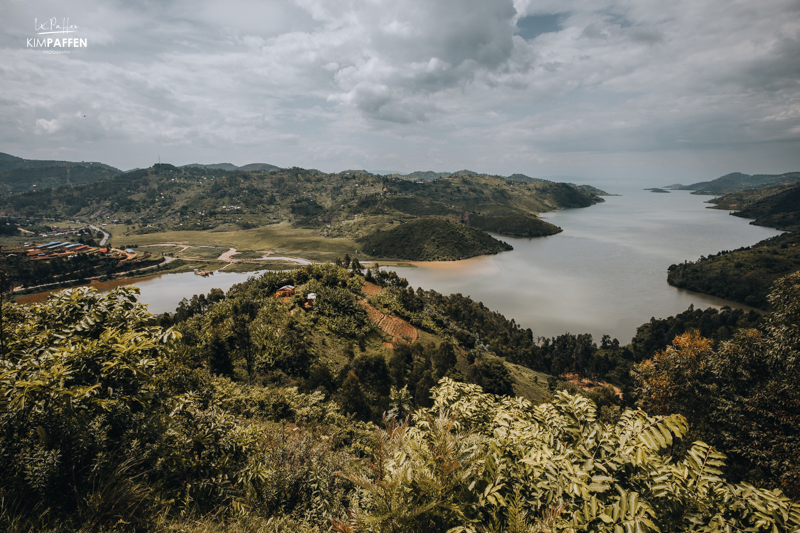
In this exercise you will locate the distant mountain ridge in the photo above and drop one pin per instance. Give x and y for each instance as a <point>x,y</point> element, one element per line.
<point>737,181</point>
<point>20,175</point>
<point>251,167</point>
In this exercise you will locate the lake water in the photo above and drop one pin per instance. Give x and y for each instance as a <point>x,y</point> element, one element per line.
<point>606,273</point>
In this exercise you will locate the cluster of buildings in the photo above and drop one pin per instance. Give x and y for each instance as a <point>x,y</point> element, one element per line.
<point>54,249</point>
<point>56,231</point>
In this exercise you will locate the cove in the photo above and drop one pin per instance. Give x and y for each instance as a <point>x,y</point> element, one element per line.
<point>606,273</point>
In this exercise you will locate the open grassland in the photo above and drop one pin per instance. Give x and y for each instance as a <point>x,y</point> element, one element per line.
<point>281,239</point>
<point>529,383</point>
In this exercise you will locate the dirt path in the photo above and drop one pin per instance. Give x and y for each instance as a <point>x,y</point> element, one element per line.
<point>227,256</point>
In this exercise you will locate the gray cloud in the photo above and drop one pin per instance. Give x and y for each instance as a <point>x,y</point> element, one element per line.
<point>540,87</point>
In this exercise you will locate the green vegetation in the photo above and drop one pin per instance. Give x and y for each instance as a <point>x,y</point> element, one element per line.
<point>737,181</point>
<point>24,273</point>
<point>514,226</point>
<point>743,275</point>
<point>19,175</point>
<point>746,274</point>
<point>775,207</point>
<point>431,239</point>
<point>252,412</point>
<point>741,396</point>
<point>252,210</point>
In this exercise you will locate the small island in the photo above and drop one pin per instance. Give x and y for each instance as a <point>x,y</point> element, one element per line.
<point>657,189</point>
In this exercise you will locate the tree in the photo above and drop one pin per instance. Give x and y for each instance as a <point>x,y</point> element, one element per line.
<point>475,462</point>
<point>352,398</point>
<point>742,396</point>
<point>79,385</point>
<point>492,376</point>
<point>676,380</point>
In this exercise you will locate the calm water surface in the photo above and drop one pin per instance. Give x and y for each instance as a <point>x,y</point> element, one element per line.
<point>606,273</point>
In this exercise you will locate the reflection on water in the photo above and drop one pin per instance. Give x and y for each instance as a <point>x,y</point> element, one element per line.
<point>606,273</point>
<point>164,292</point>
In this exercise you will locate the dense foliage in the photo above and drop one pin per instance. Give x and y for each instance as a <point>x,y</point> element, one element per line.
<point>80,268</point>
<point>742,395</point>
<point>776,207</point>
<point>432,239</point>
<point>514,226</point>
<point>260,410</point>
<point>743,275</point>
<point>478,463</point>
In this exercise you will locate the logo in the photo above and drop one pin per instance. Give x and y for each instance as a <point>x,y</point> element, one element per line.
<point>54,36</point>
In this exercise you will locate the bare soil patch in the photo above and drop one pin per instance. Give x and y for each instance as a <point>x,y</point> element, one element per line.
<point>399,329</point>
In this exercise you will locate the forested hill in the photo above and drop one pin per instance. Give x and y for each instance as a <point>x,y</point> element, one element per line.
<point>19,175</point>
<point>737,181</point>
<point>375,407</point>
<point>349,205</point>
<point>746,274</point>
<point>777,206</point>
<point>432,239</point>
<point>742,275</point>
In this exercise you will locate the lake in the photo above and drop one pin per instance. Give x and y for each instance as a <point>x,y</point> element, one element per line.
<point>605,273</point>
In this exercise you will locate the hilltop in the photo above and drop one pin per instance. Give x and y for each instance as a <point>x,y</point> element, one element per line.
<point>432,239</point>
<point>229,166</point>
<point>20,175</point>
<point>737,181</point>
<point>776,206</point>
<point>295,210</point>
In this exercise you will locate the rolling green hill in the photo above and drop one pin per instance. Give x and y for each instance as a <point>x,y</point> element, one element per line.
<point>431,239</point>
<point>742,275</point>
<point>514,225</point>
<point>737,181</point>
<point>777,206</point>
<point>20,175</point>
<point>347,206</point>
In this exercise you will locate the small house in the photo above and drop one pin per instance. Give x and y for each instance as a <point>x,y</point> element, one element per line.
<point>285,292</point>
<point>310,299</point>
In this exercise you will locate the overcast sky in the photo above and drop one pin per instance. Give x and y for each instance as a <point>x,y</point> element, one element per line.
<point>659,91</point>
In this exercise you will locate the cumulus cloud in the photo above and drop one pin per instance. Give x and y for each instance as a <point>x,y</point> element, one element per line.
<point>500,86</point>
